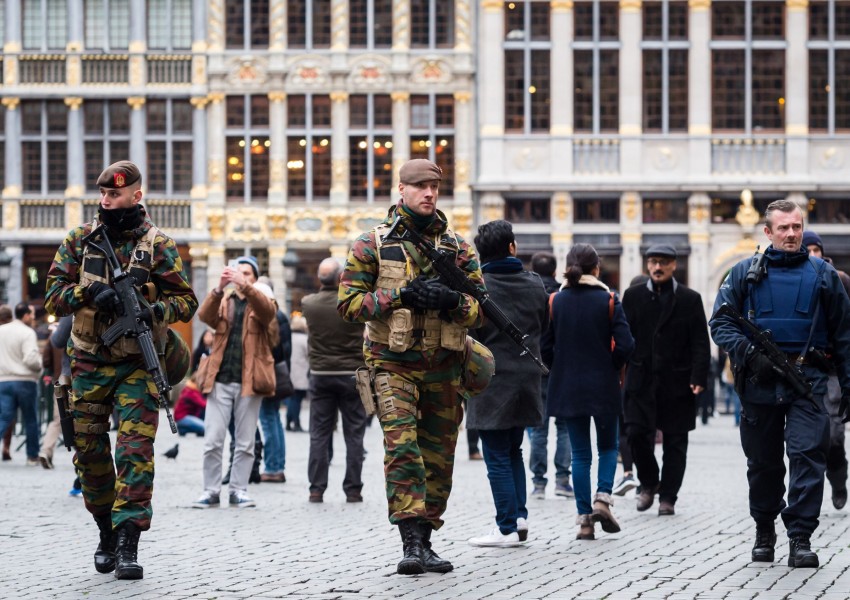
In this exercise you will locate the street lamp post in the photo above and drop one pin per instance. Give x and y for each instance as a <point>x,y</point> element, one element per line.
<point>5,271</point>
<point>290,272</point>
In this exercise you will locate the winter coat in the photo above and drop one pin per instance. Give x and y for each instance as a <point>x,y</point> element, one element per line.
<point>300,361</point>
<point>669,357</point>
<point>584,378</point>
<point>512,399</point>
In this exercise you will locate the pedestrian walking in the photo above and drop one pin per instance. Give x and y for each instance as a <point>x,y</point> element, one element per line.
<point>336,352</point>
<point>586,345</point>
<point>512,402</point>
<point>666,373</point>
<point>416,329</point>
<point>79,282</point>
<point>801,300</point>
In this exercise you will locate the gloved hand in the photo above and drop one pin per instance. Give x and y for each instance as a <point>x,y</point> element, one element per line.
<point>844,409</point>
<point>149,314</point>
<point>415,294</point>
<point>103,297</point>
<point>441,296</point>
<point>758,364</point>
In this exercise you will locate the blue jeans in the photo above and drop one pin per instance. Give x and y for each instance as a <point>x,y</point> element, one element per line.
<point>607,438</point>
<point>503,457</point>
<point>539,457</point>
<point>293,407</point>
<point>274,448</point>
<point>21,395</point>
<point>190,424</point>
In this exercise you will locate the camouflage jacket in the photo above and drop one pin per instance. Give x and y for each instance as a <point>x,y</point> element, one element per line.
<point>65,295</point>
<point>359,300</point>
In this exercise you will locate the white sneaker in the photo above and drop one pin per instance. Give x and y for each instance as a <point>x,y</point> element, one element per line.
<point>496,539</point>
<point>207,500</point>
<point>522,528</point>
<point>241,499</point>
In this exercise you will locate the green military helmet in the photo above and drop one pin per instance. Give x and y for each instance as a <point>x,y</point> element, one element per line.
<point>177,357</point>
<point>478,367</point>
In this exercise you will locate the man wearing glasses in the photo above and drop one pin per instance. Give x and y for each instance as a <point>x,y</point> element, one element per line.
<point>667,371</point>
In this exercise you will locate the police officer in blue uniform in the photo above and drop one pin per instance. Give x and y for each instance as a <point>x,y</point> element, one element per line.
<point>800,299</point>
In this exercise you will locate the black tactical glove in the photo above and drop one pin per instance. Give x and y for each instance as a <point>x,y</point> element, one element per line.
<point>415,294</point>
<point>148,314</point>
<point>758,364</point>
<point>103,297</point>
<point>844,409</point>
<point>441,296</point>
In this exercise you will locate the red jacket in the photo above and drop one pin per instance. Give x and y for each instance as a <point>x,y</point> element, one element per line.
<point>190,402</point>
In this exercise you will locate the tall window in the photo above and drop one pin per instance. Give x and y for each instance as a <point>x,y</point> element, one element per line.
<point>527,86</point>
<point>44,146</point>
<point>308,147</point>
<point>829,66</point>
<point>169,146</point>
<point>370,23</point>
<point>596,60</point>
<point>370,146</point>
<point>665,66</point>
<point>107,136</point>
<point>247,148</point>
<point>247,24</point>
<point>432,24</point>
<point>107,24</point>
<point>432,128</point>
<point>748,66</point>
<point>169,24</point>
<point>308,23</point>
<point>45,24</point>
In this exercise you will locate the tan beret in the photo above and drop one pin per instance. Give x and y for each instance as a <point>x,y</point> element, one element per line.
<point>419,170</point>
<point>119,175</point>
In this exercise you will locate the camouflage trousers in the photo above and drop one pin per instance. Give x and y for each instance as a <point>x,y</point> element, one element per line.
<point>122,488</point>
<point>420,436</point>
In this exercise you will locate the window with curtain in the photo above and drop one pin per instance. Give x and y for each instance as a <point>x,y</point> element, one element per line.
<point>169,146</point>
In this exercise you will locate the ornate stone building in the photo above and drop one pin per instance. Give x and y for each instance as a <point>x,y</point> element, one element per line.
<point>276,127</point>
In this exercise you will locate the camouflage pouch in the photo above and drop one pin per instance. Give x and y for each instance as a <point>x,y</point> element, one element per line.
<point>452,337</point>
<point>85,330</point>
<point>363,383</point>
<point>400,335</point>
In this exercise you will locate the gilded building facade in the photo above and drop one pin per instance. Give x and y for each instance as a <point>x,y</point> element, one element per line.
<point>276,127</point>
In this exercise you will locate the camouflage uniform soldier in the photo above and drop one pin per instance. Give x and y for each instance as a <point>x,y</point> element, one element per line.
<point>416,329</point>
<point>106,377</point>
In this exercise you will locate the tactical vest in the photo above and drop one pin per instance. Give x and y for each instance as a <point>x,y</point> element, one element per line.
<point>785,303</point>
<point>89,324</point>
<point>403,328</point>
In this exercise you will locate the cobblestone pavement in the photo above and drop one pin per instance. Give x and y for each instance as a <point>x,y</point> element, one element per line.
<point>286,547</point>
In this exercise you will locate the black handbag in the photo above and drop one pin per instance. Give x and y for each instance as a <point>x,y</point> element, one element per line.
<point>282,382</point>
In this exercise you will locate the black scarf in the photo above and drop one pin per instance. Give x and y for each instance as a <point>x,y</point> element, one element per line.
<point>121,219</point>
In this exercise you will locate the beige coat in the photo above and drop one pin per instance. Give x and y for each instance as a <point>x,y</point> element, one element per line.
<point>258,330</point>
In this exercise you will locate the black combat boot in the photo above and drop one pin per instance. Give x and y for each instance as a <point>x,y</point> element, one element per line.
<point>801,554</point>
<point>433,563</point>
<point>104,556</point>
<point>839,497</point>
<point>765,542</point>
<point>413,562</point>
<point>127,553</point>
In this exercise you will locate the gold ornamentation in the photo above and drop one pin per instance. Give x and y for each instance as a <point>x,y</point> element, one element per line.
<point>216,97</point>
<point>339,97</point>
<point>137,47</point>
<point>277,28</point>
<point>199,213</point>
<point>747,216</point>
<point>73,103</point>
<point>73,70</point>
<point>215,25</point>
<point>137,67</point>
<point>73,213</point>
<point>199,102</point>
<point>75,191</point>
<point>699,5</point>
<point>277,96</point>
<point>561,5</point>
<point>461,221</point>
<point>463,96</point>
<point>277,223</point>
<point>630,5</point>
<point>136,102</point>
<point>400,96</point>
<point>463,27</point>
<point>72,47</point>
<point>12,191</point>
<point>338,225</point>
<point>401,25</point>
<point>10,215</point>
<point>562,206</point>
<point>492,5</point>
<point>12,47</point>
<point>631,206</point>
<point>797,5</point>
<point>246,225</point>
<point>339,25</point>
<point>10,102</point>
<point>199,70</point>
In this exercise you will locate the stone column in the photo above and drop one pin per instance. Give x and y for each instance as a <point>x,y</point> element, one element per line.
<point>631,262</point>
<point>216,150</point>
<point>401,131</point>
<point>561,59</point>
<point>277,151</point>
<point>215,24</point>
<point>277,25</point>
<point>631,87</point>
<point>562,228</point>
<point>401,26</point>
<point>12,27</point>
<point>199,147</point>
<point>796,88</point>
<point>138,128</point>
<point>76,150</point>
<point>12,165</point>
<point>492,69</point>
<point>199,24</point>
<point>464,148</point>
<point>339,25</point>
<point>699,81</point>
<point>76,34</point>
<point>699,238</point>
<point>339,149</point>
<point>138,45</point>
<point>463,26</point>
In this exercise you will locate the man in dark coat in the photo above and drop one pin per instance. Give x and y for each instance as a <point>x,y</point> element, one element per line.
<point>667,371</point>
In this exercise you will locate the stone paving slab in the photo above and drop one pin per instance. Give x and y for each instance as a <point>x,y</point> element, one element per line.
<point>287,547</point>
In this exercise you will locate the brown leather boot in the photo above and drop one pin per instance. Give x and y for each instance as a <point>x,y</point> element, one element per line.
<point>646,497</point>
<point>602,504</point>
<point>586,528</point>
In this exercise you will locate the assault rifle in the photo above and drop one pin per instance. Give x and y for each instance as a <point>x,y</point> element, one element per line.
<point>455,278</point>
<point>763,339</point>
<point>130,323</point>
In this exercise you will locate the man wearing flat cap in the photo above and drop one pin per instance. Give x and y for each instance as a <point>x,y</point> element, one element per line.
<point>667,371</point>
<point>416,336</point>
<point>104,378</point>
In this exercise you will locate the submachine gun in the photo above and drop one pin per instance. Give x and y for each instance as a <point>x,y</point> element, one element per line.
<point>763,339</point>
<point>130,323</point>
<point>452,275</point>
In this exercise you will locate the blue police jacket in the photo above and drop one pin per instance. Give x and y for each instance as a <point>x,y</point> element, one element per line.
<point>794,288</point>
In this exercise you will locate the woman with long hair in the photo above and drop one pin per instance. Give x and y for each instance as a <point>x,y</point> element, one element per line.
<point>586,345</point>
